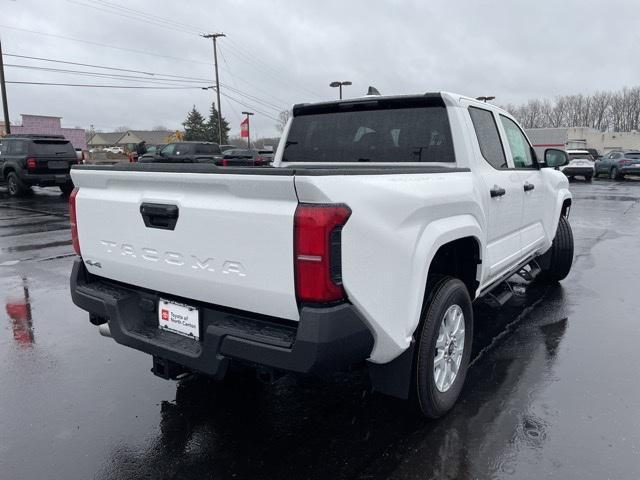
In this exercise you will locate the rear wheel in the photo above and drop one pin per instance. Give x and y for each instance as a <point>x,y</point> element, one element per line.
<point>614,174</point>
<point>443,347</point>
<point>555,264</point>
<point>15,186</point>
<point>587,178</point>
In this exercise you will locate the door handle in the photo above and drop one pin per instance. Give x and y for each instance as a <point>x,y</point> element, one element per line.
<point>497,191</point>
<point>159,215</point>
<point>528,186</point>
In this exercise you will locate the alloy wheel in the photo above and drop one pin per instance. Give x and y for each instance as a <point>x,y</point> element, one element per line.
<point>449,348</point>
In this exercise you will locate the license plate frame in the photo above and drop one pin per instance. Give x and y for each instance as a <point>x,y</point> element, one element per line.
<point>179,318</point>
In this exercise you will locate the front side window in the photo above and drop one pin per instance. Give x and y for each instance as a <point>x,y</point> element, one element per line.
<point>488,137</point>
<point>520,148</point>
<point>371,134</point>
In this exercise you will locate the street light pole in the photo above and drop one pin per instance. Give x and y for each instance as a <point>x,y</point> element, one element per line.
<point>248,129</point>
<point>214,37</point>
<point>340,84</point>
<point>3,92</point>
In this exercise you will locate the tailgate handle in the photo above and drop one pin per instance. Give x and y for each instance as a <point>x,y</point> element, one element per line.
<point>159,215</point>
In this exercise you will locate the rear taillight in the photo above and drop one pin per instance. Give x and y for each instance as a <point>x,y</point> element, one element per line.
<point>32,164</point>
<point>624,163</point>
<point>73,221</point>
<point>317,252</point>
<point>224,162</point>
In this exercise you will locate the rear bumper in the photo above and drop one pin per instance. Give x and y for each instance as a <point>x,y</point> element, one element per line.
<point>324,339</point>
<point>634,170</point>
<point>45,179</point>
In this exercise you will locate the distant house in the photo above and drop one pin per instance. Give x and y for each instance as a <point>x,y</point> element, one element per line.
<point>130,138</point>
<point>47,125</point>
<point>153,137</point>
<point>99,140</point>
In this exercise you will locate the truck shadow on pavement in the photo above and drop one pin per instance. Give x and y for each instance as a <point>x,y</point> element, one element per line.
<point>337,428</point>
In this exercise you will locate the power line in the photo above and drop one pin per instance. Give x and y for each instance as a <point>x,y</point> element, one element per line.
<point>103,86</point>
<point>240,52</point>
<point>106,68</point>
<point>143,52</point>
<point>164,24</point>
<point>148,77</point>
<point>111,76</point>
<point>260,111</point>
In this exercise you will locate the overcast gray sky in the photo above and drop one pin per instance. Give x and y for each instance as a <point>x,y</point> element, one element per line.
<point>283,52</point>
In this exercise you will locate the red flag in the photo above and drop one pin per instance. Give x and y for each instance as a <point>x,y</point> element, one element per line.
<point>244,128</point>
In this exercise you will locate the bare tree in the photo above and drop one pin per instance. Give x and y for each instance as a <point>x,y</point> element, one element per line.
<point>123,128</point>
<point>283,118</point>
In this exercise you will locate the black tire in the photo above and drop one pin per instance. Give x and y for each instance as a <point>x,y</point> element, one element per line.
<point>66,189</point>
<point>430,400</point>
<point>556,262</point>
<point>15,186</point>
<point>614,175</point>
<point>587,178</point>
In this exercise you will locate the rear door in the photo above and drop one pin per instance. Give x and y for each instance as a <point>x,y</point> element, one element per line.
<point>503,193</point>
<point>231,242</point>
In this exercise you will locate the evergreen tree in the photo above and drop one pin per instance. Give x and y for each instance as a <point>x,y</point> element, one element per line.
<point>195,127</point>
<point>212,126</point>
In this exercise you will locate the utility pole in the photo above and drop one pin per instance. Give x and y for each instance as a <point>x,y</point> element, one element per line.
<point>248,129</point>
<point>3,92</point>
<point>214,37</point>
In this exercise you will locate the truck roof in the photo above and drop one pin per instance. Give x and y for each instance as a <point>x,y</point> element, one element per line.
<point>447,98</point>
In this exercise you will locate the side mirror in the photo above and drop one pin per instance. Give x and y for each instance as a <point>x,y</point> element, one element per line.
<point>555,158</point>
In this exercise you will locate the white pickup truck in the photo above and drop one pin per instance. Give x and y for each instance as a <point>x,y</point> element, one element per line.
<point>382,219</point>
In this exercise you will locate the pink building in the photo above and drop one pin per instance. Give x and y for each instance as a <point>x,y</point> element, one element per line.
<point>43,124</point>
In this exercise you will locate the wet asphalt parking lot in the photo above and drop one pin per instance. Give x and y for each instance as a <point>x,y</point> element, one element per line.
<point>553,391</point>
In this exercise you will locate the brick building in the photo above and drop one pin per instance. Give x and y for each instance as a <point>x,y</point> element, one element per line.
<point>46,125</point>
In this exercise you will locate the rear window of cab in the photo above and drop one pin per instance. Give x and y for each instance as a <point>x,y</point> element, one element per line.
<point>389,135</point>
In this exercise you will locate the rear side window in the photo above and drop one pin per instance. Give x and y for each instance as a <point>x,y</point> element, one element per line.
<point>183,149</point>
<point>413,134</point>
<point>488,137</point>
<point>633,156</point>
<point>52,147</point>
<point>207,149</point>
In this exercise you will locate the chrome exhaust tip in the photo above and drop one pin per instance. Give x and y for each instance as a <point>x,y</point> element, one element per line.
<point>104,330</point>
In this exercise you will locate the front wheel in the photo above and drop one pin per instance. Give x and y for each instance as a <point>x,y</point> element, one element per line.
<point>555,264</point>
<point>443,347</point>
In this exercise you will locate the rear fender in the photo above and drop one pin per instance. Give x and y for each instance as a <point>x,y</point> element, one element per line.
<point>437,234</point>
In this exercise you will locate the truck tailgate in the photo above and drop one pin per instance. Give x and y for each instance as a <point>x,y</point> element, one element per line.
<point>232,244</point>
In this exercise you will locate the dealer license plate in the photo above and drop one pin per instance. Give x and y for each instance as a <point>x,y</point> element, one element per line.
<point>179,318</point>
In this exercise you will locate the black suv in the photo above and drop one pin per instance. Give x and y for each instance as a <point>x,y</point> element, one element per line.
<point>42,160</point>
